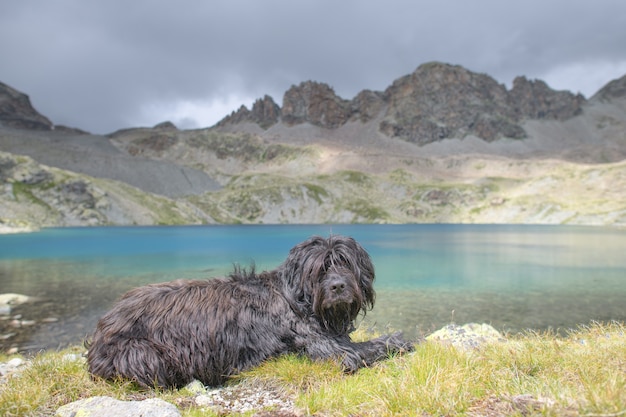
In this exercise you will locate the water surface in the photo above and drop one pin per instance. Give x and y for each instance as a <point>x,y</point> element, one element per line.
<point>513,277</point>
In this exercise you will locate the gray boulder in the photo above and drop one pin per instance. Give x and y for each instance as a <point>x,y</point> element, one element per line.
<point>110,407</point>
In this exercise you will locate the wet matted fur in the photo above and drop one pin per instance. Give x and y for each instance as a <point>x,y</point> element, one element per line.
<point>171,333</point>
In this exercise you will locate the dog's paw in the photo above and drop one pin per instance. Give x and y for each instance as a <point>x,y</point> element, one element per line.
<point>397,344</point>
<point>352,363</point>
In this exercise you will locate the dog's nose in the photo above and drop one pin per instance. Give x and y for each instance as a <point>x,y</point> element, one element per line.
<point>337,286</point>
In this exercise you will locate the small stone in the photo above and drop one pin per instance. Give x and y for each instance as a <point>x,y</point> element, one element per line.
<point>15,362</point>
<point>13,299</point>
<point>49,320</point>
<point>73,357</point>
<point>196,387</point>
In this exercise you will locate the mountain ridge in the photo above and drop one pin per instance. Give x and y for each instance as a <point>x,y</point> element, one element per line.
<point>442,144</point>
<point>437,101</point>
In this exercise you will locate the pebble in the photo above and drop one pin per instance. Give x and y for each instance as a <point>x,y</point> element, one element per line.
<point>15,362</point>
<point>49,320</point>
<point>10,367</point>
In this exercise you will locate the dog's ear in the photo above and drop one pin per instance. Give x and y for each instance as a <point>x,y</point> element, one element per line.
<point>365,273</point>
<point>303,266</point>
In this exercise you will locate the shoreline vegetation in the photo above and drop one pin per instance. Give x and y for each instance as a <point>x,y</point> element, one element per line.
<point>459,370</point>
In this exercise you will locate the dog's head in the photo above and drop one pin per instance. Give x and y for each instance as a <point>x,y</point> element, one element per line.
<point>332,279</point>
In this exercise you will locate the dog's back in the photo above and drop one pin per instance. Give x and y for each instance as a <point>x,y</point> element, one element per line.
<point>170,333</point>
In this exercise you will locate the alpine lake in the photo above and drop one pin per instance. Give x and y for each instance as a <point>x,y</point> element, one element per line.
<point>514,277</point>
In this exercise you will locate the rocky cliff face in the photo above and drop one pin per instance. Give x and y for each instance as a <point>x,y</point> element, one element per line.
<point>437,101</point>
<point>440,101</point>
<point>367,105</point>
<point>535,100</point>
<point>315,103</point>
<point>265,112</point>
<point>16,111</point>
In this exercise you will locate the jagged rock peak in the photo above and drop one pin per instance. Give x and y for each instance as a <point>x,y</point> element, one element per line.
<point>535,100</point>
<point>439,101</point>
<point>315,103</point>
<point>367,105</point>
<point>265,112</point>
<point>16,111</point>
<point>614,89</point>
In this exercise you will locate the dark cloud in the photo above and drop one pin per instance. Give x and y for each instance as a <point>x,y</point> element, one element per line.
<point>102,66</point>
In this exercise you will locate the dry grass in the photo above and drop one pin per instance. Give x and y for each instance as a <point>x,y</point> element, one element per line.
<point>531,374</point>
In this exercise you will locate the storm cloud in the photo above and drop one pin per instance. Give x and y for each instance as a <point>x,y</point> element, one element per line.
<point>102,66</point>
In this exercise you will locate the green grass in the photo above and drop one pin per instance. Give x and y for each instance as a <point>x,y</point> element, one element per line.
<point>25,193</point>
<point>531,374</point>
<point>365,211</point>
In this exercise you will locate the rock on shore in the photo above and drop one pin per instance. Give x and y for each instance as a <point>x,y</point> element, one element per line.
<point>110,407</point>
<point>11,299</point>
<point>467,337</point>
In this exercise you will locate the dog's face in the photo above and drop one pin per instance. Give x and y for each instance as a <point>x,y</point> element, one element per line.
<point>332,278</point>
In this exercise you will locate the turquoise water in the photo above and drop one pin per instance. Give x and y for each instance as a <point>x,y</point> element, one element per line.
<point>514,277</point>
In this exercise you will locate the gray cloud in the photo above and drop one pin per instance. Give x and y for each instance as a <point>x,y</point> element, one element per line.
<point>102,66</point>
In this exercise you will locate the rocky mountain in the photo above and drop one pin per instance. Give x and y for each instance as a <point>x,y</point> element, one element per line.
<point>17,111</point>
<point>442,144</point>
<point>614,90</point>
<point>265,112</point>
<point>438,101</point>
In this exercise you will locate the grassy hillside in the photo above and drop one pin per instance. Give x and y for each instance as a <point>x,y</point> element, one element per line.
<point>256,180</point>
<point>34,195</point>
<point>468,190</point>
<point>452,190</point>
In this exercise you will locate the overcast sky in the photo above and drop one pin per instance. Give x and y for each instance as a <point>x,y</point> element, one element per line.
<point>110,64</point>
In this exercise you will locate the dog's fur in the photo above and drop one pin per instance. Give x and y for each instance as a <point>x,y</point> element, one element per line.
<point>168,334</point>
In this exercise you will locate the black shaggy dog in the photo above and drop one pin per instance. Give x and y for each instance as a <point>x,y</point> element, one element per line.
<point>168,334</point>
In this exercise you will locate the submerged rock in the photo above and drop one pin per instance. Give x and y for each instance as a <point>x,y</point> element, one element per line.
<point>8,300</point>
